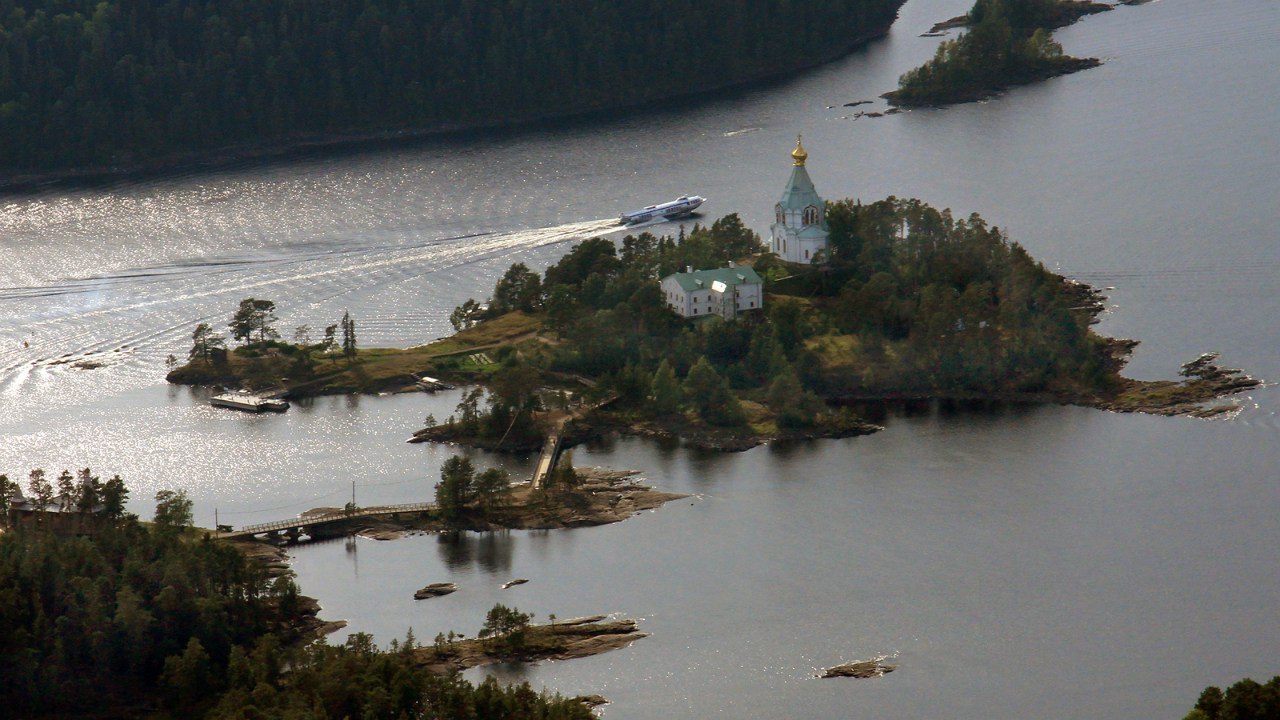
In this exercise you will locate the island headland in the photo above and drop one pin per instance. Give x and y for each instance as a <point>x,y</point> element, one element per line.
<point>904,301</point>
<point>1006,43</point>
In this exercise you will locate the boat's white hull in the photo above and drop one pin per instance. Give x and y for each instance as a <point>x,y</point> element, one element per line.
<point>669,210</point>
<point>248,403</point>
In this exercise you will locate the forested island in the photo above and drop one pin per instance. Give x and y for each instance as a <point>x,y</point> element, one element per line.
<point>910,302</point>
<point>1247,699</point>
<point>93,84</point>
<point>103,615</point>
<point>1008,42</point>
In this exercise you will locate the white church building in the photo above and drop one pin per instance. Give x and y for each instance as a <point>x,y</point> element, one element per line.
<point>799,232</point>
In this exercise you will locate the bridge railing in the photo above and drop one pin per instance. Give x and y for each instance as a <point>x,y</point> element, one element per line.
<point>332,517</point>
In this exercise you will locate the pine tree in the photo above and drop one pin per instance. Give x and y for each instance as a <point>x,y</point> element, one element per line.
<point>348,336</point>
<point>114,496</point>
<point>254,316</point>
<point>665,389</point>
<point>41,490</point>
<point>203,342</point>
<point>456,487</point>
<point>710,396</point>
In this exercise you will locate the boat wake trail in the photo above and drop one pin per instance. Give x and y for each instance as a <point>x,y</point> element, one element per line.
<point>122,326</point>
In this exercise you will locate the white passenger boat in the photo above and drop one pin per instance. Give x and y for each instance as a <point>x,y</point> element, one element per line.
<point>248,402</point>
<point>679,207</point>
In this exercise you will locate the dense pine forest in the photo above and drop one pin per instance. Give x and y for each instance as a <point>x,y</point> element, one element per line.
<point>121,82</point>
<point>132,619</point>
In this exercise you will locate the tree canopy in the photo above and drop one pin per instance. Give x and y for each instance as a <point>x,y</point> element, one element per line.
<point>133,620</point>
<point>1245,700</point>
<point>1008,43</point>
<point>913,300</point>
<point>108,82</point>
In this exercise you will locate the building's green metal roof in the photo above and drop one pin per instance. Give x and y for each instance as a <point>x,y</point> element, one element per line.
<point>800,192</point>
<point>815,232</point>
<point>689,281</point>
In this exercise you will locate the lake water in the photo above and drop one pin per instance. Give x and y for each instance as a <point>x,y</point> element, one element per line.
<point>1017,561</point>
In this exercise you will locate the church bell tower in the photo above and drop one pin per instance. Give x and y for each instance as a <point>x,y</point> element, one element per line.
<point>799,231</point>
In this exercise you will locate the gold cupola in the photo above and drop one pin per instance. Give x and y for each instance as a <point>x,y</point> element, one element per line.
<point>799,155</point>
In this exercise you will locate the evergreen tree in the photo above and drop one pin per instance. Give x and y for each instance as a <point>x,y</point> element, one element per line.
<point>519,289</point>
<point>8,489</point>
<point>492,489</point>
<point>66,490</point>
<point>710,396</point>
<point>114,497</point>
<point>665,389</point>
<point>466,315</point>
<point>88,493</point>
<point>348,336</point>
<point>254,317</point>
<point>456,488</point>
<point>203,341</point>
<point>794,406</point>
<point>330,341</point>
<point>41,490</point>
<point>506,624</point>
<point>173,509</point>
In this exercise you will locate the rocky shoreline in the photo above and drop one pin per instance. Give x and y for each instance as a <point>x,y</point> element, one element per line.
<point>272,558</point>
<point>1204,381</point>
<point>1064,66</point>
<point>861,669</point>
<point>602,496</point>
<point>1072,11</point>
<point>705,438</point>
<point>562,640</point>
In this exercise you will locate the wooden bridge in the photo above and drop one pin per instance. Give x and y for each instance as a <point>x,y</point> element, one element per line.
<point>314,525</point>
<point>551,447</point>
<point>547,461</point>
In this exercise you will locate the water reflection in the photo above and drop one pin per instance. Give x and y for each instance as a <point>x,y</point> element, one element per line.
<point>490,551</point>
<point>882,412</point>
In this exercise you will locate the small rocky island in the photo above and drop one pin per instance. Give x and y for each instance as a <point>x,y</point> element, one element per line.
<point>559,640</point>
<point>582,497</point>
<point>860,669</point>
<point>435,590</point>
<point>1007,43</point>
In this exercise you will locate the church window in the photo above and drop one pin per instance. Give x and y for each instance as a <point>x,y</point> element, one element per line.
<point>811,215</point>
<point>777,212</point>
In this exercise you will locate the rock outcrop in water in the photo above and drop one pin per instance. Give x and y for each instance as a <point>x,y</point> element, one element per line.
<point>563,640</point>
<point>860,669</point>
<point>435,590</point>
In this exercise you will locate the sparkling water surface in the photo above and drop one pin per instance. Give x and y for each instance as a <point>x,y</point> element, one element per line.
<point>1015,561</point>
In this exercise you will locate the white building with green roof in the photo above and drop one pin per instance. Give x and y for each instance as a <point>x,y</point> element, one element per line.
<point>723,292</point>
<point>799,232</point>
